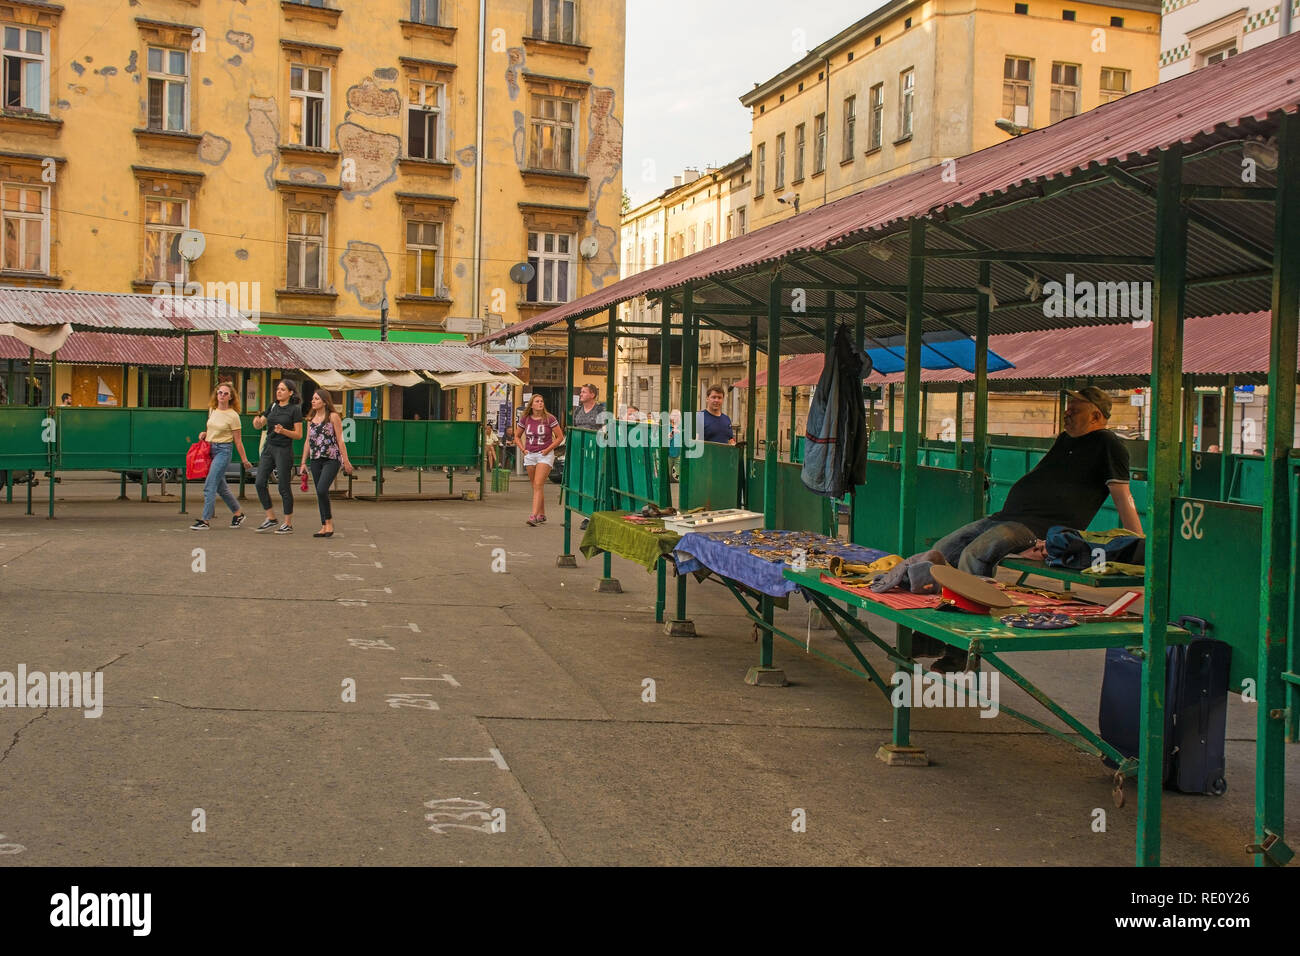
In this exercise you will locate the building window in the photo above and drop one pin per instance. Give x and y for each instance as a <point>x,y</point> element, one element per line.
<point>654,245</point>
<point>551,255</point>
<point>424,120</point>
<point>423,258</point>
<point>907,97</point>
<point>819,144</point>
<point>1114,84</point>
<point>877,116</point>
<point>1067,14</point>
<point>740,221</point>
<point>161,389</point>
<point>691,234</point>
<point>1065,91</point>
<point>26,228</point>
<point>1022,9</point>
<point>553,140</point>
<point>708,234</point>
<point>1117,21</point>
<point>168,89</point>
<point>798,152</point>
<point>1220,54</point>
<point>850,126</point>
<point>306,250</point>
<point>26,69</point>
<point>780,161</point>
<point>556,20</point>
<point>309,106</point>
<point>1016,78</point>
<point>164,221</point>
<point>760,170</point>
<point>425,11</point>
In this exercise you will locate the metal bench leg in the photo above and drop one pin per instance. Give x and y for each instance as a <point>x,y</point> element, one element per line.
<point>899,752</point>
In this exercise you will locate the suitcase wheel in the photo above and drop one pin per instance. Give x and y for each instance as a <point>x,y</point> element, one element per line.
<point>1219,787</point>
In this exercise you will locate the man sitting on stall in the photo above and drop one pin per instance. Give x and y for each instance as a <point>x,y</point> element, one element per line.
<point>1085,464</point>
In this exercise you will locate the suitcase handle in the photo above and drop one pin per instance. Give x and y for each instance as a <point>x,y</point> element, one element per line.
<point>1200,622</point>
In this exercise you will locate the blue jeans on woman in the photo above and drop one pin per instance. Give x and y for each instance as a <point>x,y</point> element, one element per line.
<point>976,548</point>
<point>215,485</point>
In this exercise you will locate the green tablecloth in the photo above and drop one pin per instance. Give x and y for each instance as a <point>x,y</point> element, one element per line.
<point>607,531</point>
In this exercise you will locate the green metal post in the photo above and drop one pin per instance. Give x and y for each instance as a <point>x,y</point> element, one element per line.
<point>1226,440</point>
<point>185,358</point>
<point>794,397</point>
<point>830,509</point>
<point>567,558</point>
<point>770,459</point>
<point>890,451</point>
<point>925,414</point>
<point>54,413</point>
<point>1188,418</point>
<point>1276,575</point>
<point>1163,469</point>
<point>959,448</point>
<point>611,354</point>
<point>980,446</point>
<point>751,412</point>
<point>482,450</point>
<point>907,498</point>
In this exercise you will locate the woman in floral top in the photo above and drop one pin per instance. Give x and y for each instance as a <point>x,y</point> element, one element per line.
<point>324,452</point>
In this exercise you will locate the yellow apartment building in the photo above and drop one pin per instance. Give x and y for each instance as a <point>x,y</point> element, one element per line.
<point>336,155</point>
<point>920,81</point>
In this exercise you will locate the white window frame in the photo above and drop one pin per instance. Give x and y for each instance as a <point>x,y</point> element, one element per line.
<point>548,21</point>
<point>307,97</point>
<point>780,162</point>
<point>708,234</point>
<point>741,224</point>
<point>691,240</point>
<point>877,132</point>
<point>1220,53</point>
<point>800,139</point>
<point>417,248</point>
<point>906,102</point>
<point>549,265</point>
<point>164,76</point>
<point>538,123</point>
<point>169,233</point>
<point>850,130</point>
<point>43,104</point>
<point>1061,88</point>
<point>23,222</point>
<point>303,239</point>
<point>1015,85</point>
<point>819,144</point>
<point>425,109</point>
<point>760,170</point>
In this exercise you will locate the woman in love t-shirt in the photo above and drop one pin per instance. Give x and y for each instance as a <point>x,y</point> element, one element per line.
<point>538,436</point>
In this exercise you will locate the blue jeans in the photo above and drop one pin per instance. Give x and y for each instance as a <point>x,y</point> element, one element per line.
<point>216,483</point>
<point>977,548</point>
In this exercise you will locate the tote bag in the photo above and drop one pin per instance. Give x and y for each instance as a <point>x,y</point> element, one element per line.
<point>198,460</point>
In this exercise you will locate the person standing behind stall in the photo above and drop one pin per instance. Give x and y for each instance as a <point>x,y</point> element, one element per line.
<point>284,423</point>
<point>324,453</point>
<point>222,432</point>
<point>538,436</point>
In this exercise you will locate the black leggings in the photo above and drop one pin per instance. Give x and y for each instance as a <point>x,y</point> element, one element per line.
<point>323,473</point>
<point>279,457</point>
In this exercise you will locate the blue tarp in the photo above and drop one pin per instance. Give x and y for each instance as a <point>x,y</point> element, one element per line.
<point>955,353</point>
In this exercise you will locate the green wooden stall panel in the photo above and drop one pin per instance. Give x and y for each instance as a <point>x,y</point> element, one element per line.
<point>453,444</point>
<point>1204,479</point>
<point>715,477</point>
<point>797,508</point>
<point>22,445</point>
<point>361,450</point>
<point>252,438</point>
<point>1249,479</point>
<point>945,505</point>
<point>584,470</point>
<point>1215,575</point>
<point>96,438</point>
<point>160,437</point>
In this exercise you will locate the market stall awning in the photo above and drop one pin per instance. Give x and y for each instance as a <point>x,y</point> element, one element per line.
<point>886,359</point>
<point>328,378</point>
<point>459,379</point>
<point>112,311</point>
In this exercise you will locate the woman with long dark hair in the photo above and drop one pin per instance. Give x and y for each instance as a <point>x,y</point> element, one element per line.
<point>283,421</point>
<point>324,453</point>
<point>222,432</point>
<point>538,436</point>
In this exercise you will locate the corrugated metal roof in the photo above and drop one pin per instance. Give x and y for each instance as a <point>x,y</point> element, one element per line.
<point>264,351</point>
<point>1221,104</point>
<point>163,314</point>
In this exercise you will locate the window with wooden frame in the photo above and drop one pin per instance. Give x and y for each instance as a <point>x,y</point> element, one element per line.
<point>552,257</point>
<point>168,78</point>
<point>24,228</point>
<point>426,12</point>
<point>907,101</point>
<point>780,161</point>
<point>553,138</point>
<point>26,80</point>
<point>877,134</point>
<point>555,20</point>
<point>850,127</point>
<point>799,132</point>
<point>164,222</point>
<point>1065,91</point>
<point>310,72</point>
<point>1114,83</point>
<point>819,144</point>
<point>424,259</point>
<point>305,241</point>
<point>760,170</point>
<point>1017,95</point>
<point>425,129</point>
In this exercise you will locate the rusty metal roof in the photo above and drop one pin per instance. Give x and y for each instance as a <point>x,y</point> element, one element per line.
<point>264,351</point>
<point>104,311</point>
<point>1079,187</point>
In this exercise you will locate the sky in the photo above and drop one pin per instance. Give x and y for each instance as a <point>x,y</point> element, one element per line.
<point>689,62</point>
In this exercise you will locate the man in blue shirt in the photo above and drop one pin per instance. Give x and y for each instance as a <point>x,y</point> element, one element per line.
<point>710,423</point>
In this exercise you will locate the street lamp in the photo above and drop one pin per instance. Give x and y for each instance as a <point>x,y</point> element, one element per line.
<point>383,318</point>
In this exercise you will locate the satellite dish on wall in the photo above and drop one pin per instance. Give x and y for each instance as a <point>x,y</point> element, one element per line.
<point>522,272</point>
<point>589,247</point>
<point>191,244</point>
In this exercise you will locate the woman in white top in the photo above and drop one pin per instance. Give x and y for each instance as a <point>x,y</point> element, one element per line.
<point>222,433</point>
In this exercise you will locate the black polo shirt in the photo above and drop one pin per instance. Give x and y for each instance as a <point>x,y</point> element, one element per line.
<point>1070,484</point>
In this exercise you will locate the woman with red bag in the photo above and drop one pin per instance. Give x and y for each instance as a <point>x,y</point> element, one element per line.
<point>324,452</point>
<point>222,433</point>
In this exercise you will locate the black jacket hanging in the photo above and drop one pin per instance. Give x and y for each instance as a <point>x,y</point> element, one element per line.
<point>835,450</point>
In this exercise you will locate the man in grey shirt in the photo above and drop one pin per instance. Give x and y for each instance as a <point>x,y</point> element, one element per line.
<point>588,412</point>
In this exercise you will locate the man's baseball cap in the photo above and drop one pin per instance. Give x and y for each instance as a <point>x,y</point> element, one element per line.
<point>1094,395</point>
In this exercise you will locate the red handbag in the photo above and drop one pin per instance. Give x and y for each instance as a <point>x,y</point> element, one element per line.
<point>198,460</point>
<point>304,479</point>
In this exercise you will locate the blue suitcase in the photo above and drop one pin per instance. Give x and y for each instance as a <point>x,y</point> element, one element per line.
<point>1196,712</point>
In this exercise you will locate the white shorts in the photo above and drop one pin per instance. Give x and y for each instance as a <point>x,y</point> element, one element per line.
<point>537,458</point>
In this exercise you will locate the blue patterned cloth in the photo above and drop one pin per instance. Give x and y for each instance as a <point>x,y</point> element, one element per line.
<point>709,551</point>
